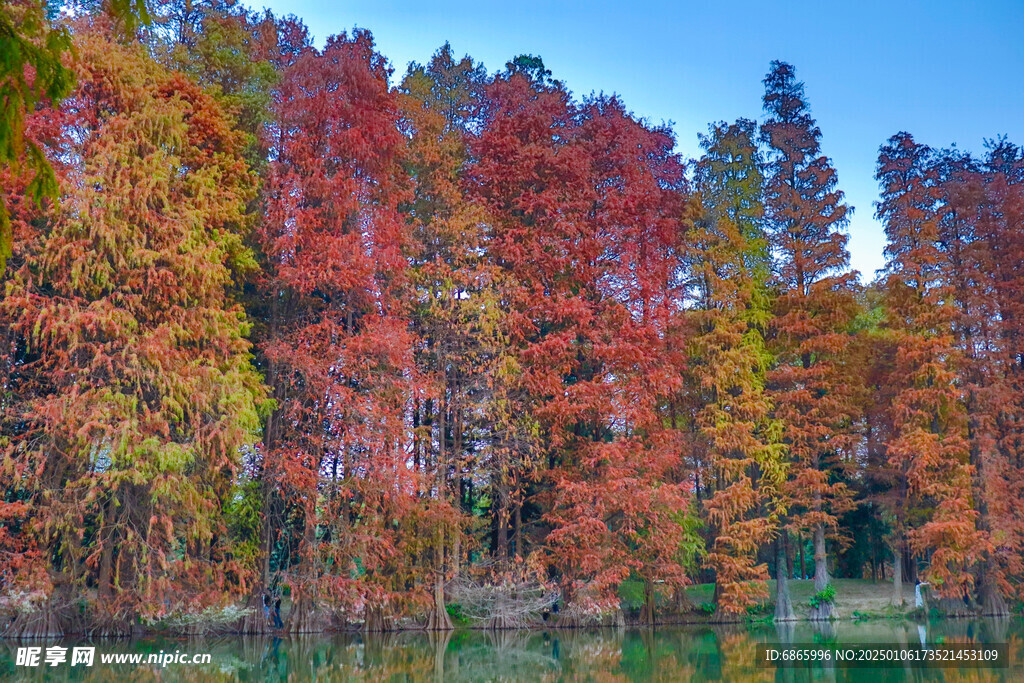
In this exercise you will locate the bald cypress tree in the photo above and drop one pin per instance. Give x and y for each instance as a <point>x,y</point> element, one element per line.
<point>930,447</point>
<point>812,390</point>
<point>455,309</point>
<point>728,265</point>
<point>1002,477</point>
<point>134,391</point>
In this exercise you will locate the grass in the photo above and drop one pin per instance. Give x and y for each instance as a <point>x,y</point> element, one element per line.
<point>855,598</point>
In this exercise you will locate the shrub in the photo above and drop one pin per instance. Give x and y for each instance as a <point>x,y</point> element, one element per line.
<point>826,594</point>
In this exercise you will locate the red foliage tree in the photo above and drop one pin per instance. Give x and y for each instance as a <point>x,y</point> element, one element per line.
<point>621,506</point>
<point>1001,228</point>
<point>336,348</point>
<point>568,190</point>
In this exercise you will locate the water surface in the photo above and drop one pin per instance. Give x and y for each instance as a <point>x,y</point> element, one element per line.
<point>719,653</point>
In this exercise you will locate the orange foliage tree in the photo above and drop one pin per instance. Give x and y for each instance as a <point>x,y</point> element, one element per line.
<point>727,265</point>
<point>813,391</point>
<point>130,363</point>
<point>930,442</point>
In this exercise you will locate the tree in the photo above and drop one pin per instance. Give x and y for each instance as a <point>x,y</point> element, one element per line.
<point>336,349</point>
<point>621,501</point>
<point>1001,228</point>
<point>131,368</point>
<point>930,447</point>
<point>455,314</point>
<point>229,51</point>
<point>967,270</point>
<point>531,178</point>
<point>728,265</point>
<point>559,213</point>
<point>813,392</point>
<point>32,71</point>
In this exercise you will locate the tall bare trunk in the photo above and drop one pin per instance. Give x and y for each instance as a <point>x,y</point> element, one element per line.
<point>783,601</point>
<point>820,559</point>
<point>992,601</point>
<point>788,552</point>
<point>456,561</point>
<point>517,530</point>
<point>437,618</point>
<point>305,615</point>
<point>502,513</point>
<point>106,567</point>
<point>825,609</point>
<point>897,575</point>
<point>803,563</point>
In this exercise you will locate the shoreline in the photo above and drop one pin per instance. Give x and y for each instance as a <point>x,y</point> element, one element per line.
<point>857,600</point>
<point>209,630</point>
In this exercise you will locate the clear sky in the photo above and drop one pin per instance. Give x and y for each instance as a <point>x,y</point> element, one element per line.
<point>947,71</point>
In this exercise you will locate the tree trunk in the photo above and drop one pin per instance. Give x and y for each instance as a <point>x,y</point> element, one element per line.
<point>254,622</point>
<point>442,457</point>
<point>897,576</point>
<point>438,619</point>
<point>647,613</point>
<point>826,609</point>
<point>376,620</point>
<point>992,602</point>
<point>416,435</point>
<point>304,617</point>
<point>783,601</point>
<point>681,603</point>
<point>106,567</point>
<point>41,623</point>
<point>788,553</point>
<point>457,556</point>
<point>820,559</point>
<point>517,533</point>
<point>803,564</point>
<point>502,513</point>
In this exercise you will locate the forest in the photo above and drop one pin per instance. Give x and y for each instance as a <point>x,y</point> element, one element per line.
<point>452,345</point>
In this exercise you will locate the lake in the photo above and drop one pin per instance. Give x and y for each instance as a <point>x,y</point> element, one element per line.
<point>693,653</point>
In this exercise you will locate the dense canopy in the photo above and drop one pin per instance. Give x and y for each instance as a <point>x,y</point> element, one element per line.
<point>454,343</point>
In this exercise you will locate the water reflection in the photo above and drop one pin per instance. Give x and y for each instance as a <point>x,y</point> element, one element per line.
<point>726,653</point>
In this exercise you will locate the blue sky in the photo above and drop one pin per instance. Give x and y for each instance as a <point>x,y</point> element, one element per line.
<point>947,71</point>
